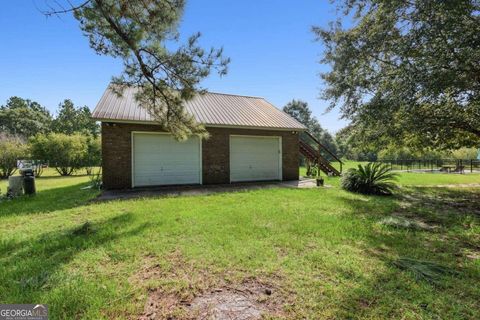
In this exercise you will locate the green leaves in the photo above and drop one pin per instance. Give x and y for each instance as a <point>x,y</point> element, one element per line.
<point>373,178</point>
<point>23,117</point>
<point>407,71</point>
<point>12,148</point>
<point>66,153</point>
<point>299,110</point>
<point>72,120</point>
<point>143,33</point>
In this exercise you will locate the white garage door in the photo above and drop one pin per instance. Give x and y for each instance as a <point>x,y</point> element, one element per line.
<point>158,159</point>
<point>255,158</point>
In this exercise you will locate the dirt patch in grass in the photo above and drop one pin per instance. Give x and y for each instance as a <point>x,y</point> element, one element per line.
<point>473,255</point>
<point>179,290</point>
<point>224,304</point>
<point>469,249</point>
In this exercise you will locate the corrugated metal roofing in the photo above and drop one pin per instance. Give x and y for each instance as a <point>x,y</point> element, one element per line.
<point>216,109</point>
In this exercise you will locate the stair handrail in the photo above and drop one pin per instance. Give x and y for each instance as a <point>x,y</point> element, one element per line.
<point>326,149</point>
<point>314,152</point>
<point>324,162</point>
<point>323,147</point>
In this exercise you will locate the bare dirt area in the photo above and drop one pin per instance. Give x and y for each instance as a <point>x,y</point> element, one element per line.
<point>224,304</point>
<point>184,292</point>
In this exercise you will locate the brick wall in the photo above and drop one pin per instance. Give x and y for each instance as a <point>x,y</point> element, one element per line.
<point>216,153</point>
<point>117,153</point>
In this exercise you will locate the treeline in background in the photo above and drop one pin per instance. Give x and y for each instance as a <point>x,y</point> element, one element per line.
<point>67,142</point>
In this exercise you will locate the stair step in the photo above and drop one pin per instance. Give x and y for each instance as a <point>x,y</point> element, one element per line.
<point>315,156</point>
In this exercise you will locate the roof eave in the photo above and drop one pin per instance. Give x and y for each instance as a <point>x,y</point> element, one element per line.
<point>206,125</point>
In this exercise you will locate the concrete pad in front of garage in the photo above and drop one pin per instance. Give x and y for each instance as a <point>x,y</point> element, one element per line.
<point>194,190</point>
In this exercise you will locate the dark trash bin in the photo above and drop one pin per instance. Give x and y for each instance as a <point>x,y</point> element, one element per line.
<point>28,181</point>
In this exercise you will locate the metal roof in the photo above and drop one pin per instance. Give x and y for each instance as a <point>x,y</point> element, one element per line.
<point>211,109</point>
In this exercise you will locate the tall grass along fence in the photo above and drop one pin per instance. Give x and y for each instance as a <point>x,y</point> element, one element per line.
<point>439,165</point>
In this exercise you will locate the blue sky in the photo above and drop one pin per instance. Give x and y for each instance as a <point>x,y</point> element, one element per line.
<point>273,52</point>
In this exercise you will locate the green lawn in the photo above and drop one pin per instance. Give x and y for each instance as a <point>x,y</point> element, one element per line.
<point>323,252</point>
<point>412,178</point>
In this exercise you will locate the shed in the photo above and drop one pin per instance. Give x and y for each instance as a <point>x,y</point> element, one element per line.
<point>250,140</point>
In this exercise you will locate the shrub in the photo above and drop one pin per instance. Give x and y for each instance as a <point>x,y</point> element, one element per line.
<point>38,167</point>
<point>93,156</point>
<point>11,149</point>
<point>404,153</point>
<point>64,152</point>
<point>465,153</point>
<point>312,168</point>
<point>373,178</point>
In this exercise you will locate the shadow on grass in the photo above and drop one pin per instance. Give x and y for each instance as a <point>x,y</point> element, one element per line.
<point>447,200</point>
<point>29,268</point>
<point>49,200</point>
<point>392,292</point>
<point>50,177</point>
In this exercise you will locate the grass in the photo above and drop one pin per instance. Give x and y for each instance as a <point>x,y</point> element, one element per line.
<point>54,193</point>
<point>409,178</point>
<point>415,178</point>
<point>327,250</point>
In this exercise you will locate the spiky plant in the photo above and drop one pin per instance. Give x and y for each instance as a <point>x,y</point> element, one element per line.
<point>373,178</point>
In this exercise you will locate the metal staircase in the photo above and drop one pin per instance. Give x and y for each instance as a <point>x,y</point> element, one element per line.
<point>317,153</point>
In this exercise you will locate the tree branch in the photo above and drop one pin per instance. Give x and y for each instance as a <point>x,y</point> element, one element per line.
<point>64,10</point>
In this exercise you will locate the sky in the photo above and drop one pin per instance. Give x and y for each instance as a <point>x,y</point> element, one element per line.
<point>270,43</point>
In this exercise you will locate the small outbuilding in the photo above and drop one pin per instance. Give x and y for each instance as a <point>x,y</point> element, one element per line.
<point>250,140</point>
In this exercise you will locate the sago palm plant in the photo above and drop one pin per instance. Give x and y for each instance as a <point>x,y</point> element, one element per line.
<point>373,178</point>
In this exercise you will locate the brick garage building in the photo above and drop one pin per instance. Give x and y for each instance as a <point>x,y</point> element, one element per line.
<point>250,140</point>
